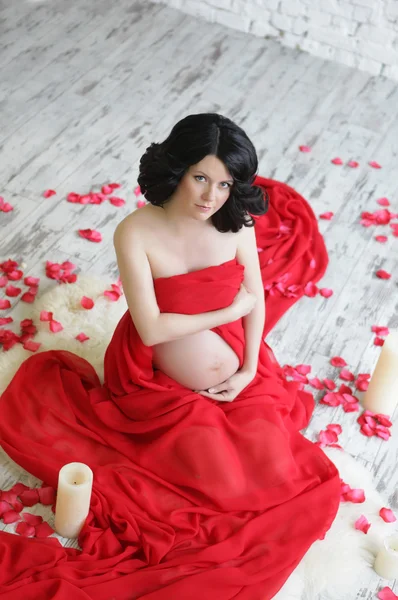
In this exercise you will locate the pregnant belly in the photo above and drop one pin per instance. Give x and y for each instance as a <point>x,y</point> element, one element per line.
<point>197,361</point>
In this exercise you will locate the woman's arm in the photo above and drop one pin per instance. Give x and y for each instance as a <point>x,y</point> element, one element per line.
<point>152,326</point>
<point>253,323</point>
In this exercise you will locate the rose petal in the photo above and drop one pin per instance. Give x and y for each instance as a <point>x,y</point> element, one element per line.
<point>137,191</point>
<point>332,399</point>
<point>378,341</point>
<point>353,164</point>
<point>31,345</point>
<point>326,215</point>
<point>336,427</point>
<point>4,303</point>
<point>387,594</point>
<point>346,375</point>
<point>117,201</point>
<point>46,495</point>
<point>43,530</point>
<point>24,529</point>
<point>32,519</point>
<point>362,524</point>
<point>310,289</point>
<point>12,291</point>
<point>381,238</point>
<point>380,330</point>
<point>303,369</point>
<point>383,202</point>
<point>329,384</point>
<point>90,234</point>
<point>49,193</point>
<point>29,497</point>
<point>337,361</point>
<point>46,315</point>
<point>55,326</point>
<point>381,274</point>
<point>304,148</point>
<point>141,203</point>
<point>82,337</point>
<point>87,303</point>
<point>374,164</point>
<point>31,281</point>
<point>11,516</point>
<point>5,320</point>
<point>337,161</point>
<point>316,383</point>
<point>387,515</point>
<point>326,292</point>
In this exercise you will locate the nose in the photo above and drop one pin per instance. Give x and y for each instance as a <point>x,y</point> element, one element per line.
<point>210,194</point>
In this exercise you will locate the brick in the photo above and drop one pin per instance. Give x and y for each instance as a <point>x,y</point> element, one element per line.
<point>350,59</point>
<point>300,26</point>
<point>318,49</point>
<point>346,26</point>
<point>318,18</point>
<point>333,38</point>
<point>369,65</point>
<point>192,7</point>
<point>376,34</point>
<point>267,4</point>
<point>282,22</point>
<point>336,7</point>
<point>293,8</point>
<point>263,28</point>
<point>363,14</point>
<point>239,22</point>
<point>290,40</point>
<point>378,52</point>
<point>391,71</point>
<point>224,4</point>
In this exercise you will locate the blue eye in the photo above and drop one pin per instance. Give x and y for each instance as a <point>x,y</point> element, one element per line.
<point>197,177</point>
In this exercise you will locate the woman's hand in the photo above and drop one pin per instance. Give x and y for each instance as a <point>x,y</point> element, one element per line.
<point>231,388</point>
<point>243,303</point>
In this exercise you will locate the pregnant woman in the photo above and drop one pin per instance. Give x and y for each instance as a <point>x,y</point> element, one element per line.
<point>204,486</point>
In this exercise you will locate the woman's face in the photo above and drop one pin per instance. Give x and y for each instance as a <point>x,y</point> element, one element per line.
<point>204,188</point>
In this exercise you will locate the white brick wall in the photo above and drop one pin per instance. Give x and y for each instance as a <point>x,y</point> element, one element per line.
<point>357,33</point>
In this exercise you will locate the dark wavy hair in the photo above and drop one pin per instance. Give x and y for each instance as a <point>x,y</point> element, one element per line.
<point>163,165</point>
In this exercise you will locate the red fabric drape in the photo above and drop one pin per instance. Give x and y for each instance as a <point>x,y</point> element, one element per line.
<point>192,498</point>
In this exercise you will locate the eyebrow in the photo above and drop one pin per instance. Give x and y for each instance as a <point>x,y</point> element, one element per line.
<point>223,181</point>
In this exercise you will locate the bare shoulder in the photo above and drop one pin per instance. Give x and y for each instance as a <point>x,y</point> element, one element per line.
<point>137,225</point>
<point>245,237</point>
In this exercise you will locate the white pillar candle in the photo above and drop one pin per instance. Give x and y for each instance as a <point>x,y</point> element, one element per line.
<point>382,393</point>
<point>75,482</point>
<point>386,563</point>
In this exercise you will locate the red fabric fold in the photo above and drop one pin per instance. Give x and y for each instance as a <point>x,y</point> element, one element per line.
<point>192,498</point>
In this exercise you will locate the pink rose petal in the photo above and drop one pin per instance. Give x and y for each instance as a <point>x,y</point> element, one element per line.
<point>383,202</point>
<point>87,303</point>
<point>337,161</point>
<point>326,215</point>
<point>316,383</point>
<point>346,375</point>
<point>82,337</point>
<point>381,238</point>
<point>55,326</point>
<point>374,164</point>
<point>117,201</point>
<point>141,203</point>
<point>329,384</point>
<point>353,164</point>
<point>362,524</point>
<point>378,341</point>
<point>387,515</point>
<point>387,594</point>
<point>4,303</point>
<point>137,191</point>
<point>326,292</point>
<point>90,234</point>
<point>304,148</point>
<point>49,193</point>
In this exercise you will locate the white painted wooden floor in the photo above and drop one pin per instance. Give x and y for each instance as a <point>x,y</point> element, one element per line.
<point>86,86</point>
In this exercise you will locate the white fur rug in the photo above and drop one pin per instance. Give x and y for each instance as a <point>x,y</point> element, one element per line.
<point>332,569</point>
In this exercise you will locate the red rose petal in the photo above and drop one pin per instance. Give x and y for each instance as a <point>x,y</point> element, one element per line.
<point>11,516</point>
<point>55,326</point>
<point>46,495</point>
<point>326,215</point>
<point>337,161</point>
<point>5,206</point>
<point>137,191</point>
<point>32,519</point>
<point>90,234</point>
<point>310,289</point>
<point>346,375</point>
<point>24,529</point>
<point>31,345</point>
<point>381,274</point>
<point>106,189</point>
<point>383,202</point>
<point>380,329</point>
<point>337,361</point>
<point>87,303</point>
<point>387,515</point>
<point>28,297</point>
<point>378,341</point>
<point>49,193</point>
<point>303,369</point>
<point>326,292</point>
<point>4,304</point>
<point>304,148</point>
<point>316,383</point>
<point>29,497</point>
<point>381,238</point>
<point>117,201</point>
<point>141,203</point>
<point>374,164</point>
<point>12,291</point>
<point>332,399</point>
<point>362,524</point>
<point>43,530</point>
<point>31,281</point>
<point>82,337</point>
<point>356,496</point>
<point>353,164</point>
<point>6,320</point>
<point>336,427</point>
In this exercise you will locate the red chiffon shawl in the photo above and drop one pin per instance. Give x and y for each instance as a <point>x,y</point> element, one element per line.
<point>192,498</point>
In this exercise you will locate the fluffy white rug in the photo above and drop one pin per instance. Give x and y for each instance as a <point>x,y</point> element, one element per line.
<point>331,570</point>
